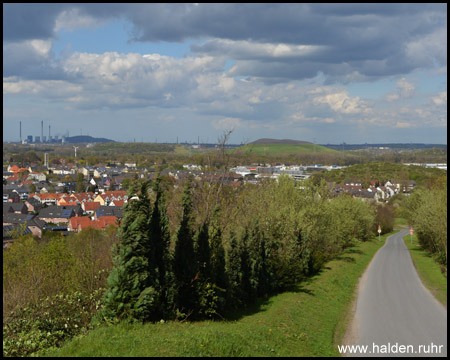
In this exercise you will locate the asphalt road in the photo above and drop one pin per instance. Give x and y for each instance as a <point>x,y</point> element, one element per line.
<point>394,308</point>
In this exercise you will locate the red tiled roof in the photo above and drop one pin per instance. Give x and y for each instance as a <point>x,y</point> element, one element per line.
<point>91,205</point>
<point>119,203</point>
<point>81,223</point>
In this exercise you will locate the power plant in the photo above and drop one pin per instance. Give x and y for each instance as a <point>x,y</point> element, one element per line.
<point>39,139</point>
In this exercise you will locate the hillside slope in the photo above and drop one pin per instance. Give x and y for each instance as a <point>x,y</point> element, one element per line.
<point>284,149</point>
<point>266,141</point>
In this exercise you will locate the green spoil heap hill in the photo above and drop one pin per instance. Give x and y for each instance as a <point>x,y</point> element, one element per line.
<point>282,147</point>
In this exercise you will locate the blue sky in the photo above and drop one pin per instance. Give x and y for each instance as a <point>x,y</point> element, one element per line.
<point>328,73</point>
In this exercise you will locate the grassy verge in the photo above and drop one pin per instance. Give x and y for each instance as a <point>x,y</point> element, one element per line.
<point>429,270</point>
<point>307,322</point>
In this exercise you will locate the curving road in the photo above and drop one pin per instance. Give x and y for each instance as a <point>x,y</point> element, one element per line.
<point>394,308</point>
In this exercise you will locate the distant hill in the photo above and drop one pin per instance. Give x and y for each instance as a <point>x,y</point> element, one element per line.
<point>86,139</point>
<point>266,141</point>
<point>281,147</point>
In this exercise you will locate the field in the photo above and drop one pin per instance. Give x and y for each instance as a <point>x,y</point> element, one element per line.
<point>308,322</point>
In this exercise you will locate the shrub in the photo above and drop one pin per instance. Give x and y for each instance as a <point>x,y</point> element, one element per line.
<point>49,323</point>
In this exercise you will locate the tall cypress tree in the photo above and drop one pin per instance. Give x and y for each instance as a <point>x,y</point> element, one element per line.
<point>234,274</point>
<point>248,289</point>
<point>129,294</point>
<point>158,253</point>
<point>218,272</point>
<point>203,253</point>
<point>184,263</point>
<point>260,267</point>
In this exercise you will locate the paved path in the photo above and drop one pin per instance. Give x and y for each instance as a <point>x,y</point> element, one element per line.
<point>393,307</point>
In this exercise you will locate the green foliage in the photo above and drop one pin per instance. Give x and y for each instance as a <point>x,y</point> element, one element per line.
<point>49,323</point>
<point>234,274</point>
<point>185,267</point>
<point>203,253</point>
<point>385,218</point>
<point>381,171</point>
<point>81,184</point>
<point>129,295</point>
<point>427,213</point>
<point>159,255</point>
<point>217,261</point>
<point>36,268</point>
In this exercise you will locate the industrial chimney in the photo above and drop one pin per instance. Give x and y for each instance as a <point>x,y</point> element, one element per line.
<point>20,132</point>
<point>42,130</point>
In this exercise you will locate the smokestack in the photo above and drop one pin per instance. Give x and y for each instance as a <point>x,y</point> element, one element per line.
<point>21,131</point>
<point>42,130</point>
<point>49,133</point>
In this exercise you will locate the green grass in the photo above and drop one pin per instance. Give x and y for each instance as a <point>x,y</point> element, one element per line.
<point>308,322</point>
<point>284,149</point>
<point>400,222</point>
<point>428,269</point>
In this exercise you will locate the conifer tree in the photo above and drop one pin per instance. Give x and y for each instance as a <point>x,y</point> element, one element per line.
<point>129,294</point>
<point>248,289</point>
<point>203,253</point>
<point>260,278</point>
<point>158,253</point>
<point>234,274</point>
<point>218,272</point>
<point>184,264</point>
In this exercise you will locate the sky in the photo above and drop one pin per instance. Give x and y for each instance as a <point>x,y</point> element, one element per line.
<point>324,73</point>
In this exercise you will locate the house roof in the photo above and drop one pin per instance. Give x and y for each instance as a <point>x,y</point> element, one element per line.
<point>56,211</point>
<point>15,218</point>
<point>91,205</point>
<point>109,211</point>
<point>80,223</point>
<point>118,203</point>
<point>10,230</point>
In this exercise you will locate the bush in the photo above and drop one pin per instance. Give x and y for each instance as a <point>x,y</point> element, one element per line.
<point>49,323</point>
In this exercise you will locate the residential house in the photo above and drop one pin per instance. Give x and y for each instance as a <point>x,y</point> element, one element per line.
<point>10,195</point>
<point>48,199</point>
<point>108,196</point>
<point>33,223</point>
<point>89,207</point>
<point>18,208</point>
<point>59,214</point>
<point>108,211</point>
<point>119,203</point>
<point>89,172</point>
<point>33,204</point>
<point>82,197</point>
<point>38,176</point>
<point>11,232</point>
<point>77,224</point>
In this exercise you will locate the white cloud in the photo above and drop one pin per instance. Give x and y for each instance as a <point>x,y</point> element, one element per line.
<point>405,90</point>
<point>440,99</point>
<point>73,19</point>
<point>341,102</point>
<point>300,118</point>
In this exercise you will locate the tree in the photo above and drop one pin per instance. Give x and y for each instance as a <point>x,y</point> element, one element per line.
<point>130,294</point>
<point>158,253</point>
<point>218,273</point>
<point>203,253</point>
<point>184,265</point>
<point>234,274</point>
<point>80,183</point>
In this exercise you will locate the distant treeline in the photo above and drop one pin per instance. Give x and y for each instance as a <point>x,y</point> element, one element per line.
<point>397,146</point>
<point>381,172</point>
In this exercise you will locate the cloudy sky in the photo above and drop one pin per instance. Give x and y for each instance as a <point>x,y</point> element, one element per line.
<point>325,73</point>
